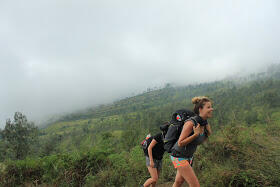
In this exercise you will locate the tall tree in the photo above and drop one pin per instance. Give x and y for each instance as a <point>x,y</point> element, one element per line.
<point>19,135</point>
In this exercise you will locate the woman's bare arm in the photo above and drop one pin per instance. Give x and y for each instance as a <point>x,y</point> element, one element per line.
<point>184,138</point>
<point>150,152</point>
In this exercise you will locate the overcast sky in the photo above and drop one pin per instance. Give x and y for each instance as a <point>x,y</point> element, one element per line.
<point>60,56</point>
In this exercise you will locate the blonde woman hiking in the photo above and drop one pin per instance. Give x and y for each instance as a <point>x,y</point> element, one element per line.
<point>194,132</point>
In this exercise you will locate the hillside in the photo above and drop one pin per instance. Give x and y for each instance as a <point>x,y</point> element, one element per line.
<point>231,97</point>
<point>100,147</point>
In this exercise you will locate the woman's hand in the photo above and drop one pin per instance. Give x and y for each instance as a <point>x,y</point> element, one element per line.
<point>196,129</point>
<point>152,164</point>
<point>208,128</point>
<point>185,137</point>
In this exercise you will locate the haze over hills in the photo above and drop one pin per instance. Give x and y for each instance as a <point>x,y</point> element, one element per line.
<point>100,146</point>
<point>98,76</point>
<point>156,96</point>
<point>62,56</point>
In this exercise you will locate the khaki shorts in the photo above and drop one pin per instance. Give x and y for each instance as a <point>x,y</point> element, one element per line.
<point>158,163</point>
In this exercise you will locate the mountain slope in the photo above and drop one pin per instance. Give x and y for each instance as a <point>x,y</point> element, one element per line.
<point>101,146</point>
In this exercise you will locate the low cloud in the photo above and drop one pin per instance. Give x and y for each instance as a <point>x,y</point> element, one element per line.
<point>63,56</point>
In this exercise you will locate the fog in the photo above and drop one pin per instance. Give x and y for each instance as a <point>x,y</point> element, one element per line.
<point>62,56</point>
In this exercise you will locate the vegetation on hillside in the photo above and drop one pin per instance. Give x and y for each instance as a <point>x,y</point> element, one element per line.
<point>100,147</point>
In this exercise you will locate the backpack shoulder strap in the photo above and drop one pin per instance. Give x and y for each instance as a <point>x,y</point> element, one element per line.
<point>193,120</point>
<point>162,135</point>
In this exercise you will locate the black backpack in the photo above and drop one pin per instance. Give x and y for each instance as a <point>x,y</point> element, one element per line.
<point>147,141</point>
<point>174,129</point>
<point>145,144</point>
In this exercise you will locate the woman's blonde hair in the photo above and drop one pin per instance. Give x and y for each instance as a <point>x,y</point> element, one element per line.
<point>199,102</point>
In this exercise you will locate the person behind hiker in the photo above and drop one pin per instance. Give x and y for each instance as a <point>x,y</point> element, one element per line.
<point>154,159</point>
<point>191,136</point>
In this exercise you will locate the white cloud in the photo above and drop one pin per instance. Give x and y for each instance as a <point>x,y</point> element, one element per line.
<point>59,56</point>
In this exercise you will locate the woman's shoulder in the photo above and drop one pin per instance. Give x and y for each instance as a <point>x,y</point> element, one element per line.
<point>158,134</point>
<point>158,137</point>
<point>189,122</point>
<point>188,125</point>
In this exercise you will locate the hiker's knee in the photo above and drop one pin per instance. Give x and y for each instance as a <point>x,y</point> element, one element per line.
<point>179,182</point>
<point>154,179</point>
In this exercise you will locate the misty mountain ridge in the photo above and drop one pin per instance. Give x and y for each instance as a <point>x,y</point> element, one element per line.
<point>153,95</point>
<point>100,146</point>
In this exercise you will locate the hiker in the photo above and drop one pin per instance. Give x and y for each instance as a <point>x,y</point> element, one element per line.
<point>154,159</point>
<point>194,133</point>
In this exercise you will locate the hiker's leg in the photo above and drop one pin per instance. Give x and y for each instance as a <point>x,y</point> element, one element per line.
<point>158,172</point>
<point>154,177</point>
<point>179,180</point>
<point>188,174</point>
